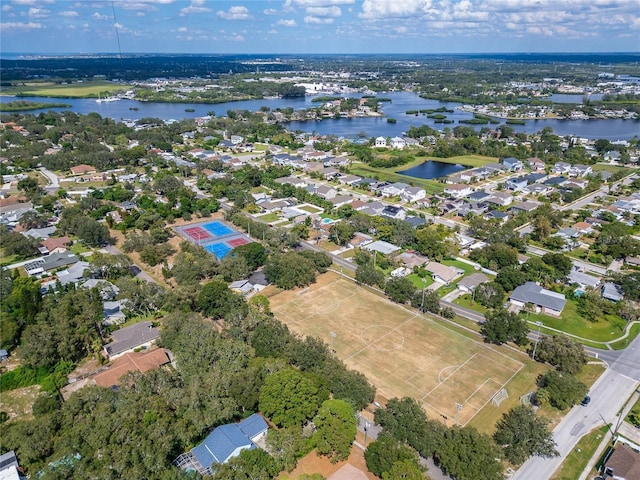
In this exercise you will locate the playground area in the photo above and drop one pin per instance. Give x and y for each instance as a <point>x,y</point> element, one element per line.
<point>400,351</point>
<point>214,236</point>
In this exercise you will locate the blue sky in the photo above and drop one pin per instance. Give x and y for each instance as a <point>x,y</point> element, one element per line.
<point>319,26</point>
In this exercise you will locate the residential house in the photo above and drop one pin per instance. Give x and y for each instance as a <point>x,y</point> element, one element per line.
<point>400,272</point>
<point>524,207</point>
<point>413,194</point>
<point>326,192</point>
<point>350,180</point>
<point>381,246</point>
<point>329,173</point>
<point>131,362</point>
<point>478,196</point>
<point>112,312</point>
<point>536,164</point>
<point>583,228</point>
<point>496,215</point>
<point>612,292</point>
<point>74,274</point>
<point>38,233</point>
<point>443,273</point>
<point>632,261</point>
<point>473,208</point>
<point>579,170</point>
<point>9,467</point>
<point>512,164</point>
<point>380,142</point>
<point>224,443</point>
<point>397,213</point>
<point>50,262</point>
<point>394,189</point>
<point>360,239</point>
<point>555,181</point>
<point>583,280</point>
<point>470,282</point>
<point>543,300</point>
<point>561,167</point>
<point>82,169</point>
<point>108,291</point>
<point>604,175</point>
<point>500,198</point>
<point>243,287</point>
<point>567,233</point>
<point>295,181</point>
<point>538,189</point>
<point>398,142</point>
<point>411,259</point>
<point>458,190</point>
<point>516,184</point>
<point>535,178</point>
<point>415,222</point>
<point>340,200</point>
<point>622,464</point>
<point>129,338</point>
<point>575,184</point>
<point>55,244</point>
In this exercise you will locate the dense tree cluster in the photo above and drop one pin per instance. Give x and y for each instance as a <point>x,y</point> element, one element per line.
<point>502,326</point>
<point>461,452</point>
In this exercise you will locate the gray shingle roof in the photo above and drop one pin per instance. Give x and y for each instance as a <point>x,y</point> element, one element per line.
<point>531,292</point>
<point>131,337</point>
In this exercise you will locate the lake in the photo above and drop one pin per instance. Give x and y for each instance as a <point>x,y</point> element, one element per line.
<point>433,169</point>
<point>614,129</point>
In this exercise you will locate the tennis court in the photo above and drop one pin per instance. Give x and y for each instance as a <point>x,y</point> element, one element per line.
<point>215,237</point>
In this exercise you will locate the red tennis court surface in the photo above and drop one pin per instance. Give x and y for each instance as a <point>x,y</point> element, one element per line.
<point>236,242</point>
<point>197,233</point>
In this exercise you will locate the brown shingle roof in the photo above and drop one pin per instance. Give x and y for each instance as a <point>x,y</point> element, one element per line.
<point>130,362</point>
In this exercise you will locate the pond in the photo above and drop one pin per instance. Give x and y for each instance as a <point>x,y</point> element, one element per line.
<point>433,169</point>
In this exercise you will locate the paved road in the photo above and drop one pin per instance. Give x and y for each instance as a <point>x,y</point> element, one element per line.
<point>54,184</point>
<point>608,395</point>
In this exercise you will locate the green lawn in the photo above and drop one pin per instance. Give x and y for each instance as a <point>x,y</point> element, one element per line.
<point>573,323</point>
<point>310,209</point>
<point>577,460</point>
<point>269,217</point>
<point>432,187</point>
<point>417,281</point>
<point>74,90</point>
<point>468,160</point>
<point>598,167</point>
<point>467,302</point>
<point>634,414</point>
<point>624,343</point>
<point>468,269</point>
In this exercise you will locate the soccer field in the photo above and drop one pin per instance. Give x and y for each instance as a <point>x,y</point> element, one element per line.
<point>401,352</point>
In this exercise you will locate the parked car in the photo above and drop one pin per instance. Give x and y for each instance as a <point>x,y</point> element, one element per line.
<point>585,401</point>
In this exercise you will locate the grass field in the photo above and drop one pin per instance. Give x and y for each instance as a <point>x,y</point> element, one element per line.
<point>401,352</point>
<point>74,90</point>
<point>577,460</point>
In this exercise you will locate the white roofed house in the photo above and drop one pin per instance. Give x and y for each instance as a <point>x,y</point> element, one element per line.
<point>413,194</point>
<point>458,190</point>
<point>398,142</point>
<point>381,142</point>
<point>394,189</point>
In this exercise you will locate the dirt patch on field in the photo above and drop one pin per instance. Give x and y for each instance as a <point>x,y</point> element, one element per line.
<point>313,463</point>
<point>18,403</point>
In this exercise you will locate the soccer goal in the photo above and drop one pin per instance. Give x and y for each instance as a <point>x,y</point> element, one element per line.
<point>499,397</point>
<point>526,399</point>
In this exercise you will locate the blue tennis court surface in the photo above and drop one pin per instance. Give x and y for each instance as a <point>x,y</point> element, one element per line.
<point>217,229</point>
<point>218,249</point>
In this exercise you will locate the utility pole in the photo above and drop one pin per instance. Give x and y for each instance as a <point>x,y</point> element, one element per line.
<point>535,346</point>
<point>333,336</point>
<point>424,286</point>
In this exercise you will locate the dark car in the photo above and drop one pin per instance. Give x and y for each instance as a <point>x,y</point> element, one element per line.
<point>585,401</point>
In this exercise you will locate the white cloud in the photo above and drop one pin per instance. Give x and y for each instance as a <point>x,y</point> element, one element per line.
<point>286,23</point>
<point>270,11</point>
<point>38,12</point>
<point>31,2</point>
<point>318,3</point>
<point>69,13</point>
<point>234,13</point>
<point>98,16</point>
<point>7,8</point>
<point>183,29</point>
<point>20,26</point>
<point>393,8</point>
<point>235,38</point>
<point>317,20</point>
<point>197,6</point>
<point>331,11</point>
